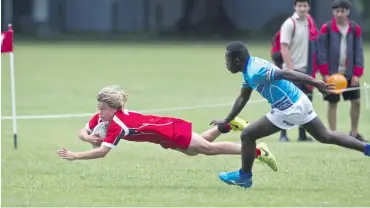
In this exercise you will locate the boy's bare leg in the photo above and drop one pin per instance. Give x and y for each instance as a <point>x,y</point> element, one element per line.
<point>199,145</point>
<point>211,134</point>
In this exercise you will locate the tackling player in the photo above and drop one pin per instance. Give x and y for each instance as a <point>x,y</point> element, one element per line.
<point>173,133</point>
<point>290,108</point>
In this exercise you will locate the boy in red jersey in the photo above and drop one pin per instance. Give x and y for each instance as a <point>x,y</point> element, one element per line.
<point>169,132</point>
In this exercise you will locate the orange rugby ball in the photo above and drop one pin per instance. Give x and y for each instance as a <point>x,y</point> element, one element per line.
<point>339,80</point>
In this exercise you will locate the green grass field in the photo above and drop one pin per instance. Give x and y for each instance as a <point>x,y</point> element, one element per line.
<point>65,78</point>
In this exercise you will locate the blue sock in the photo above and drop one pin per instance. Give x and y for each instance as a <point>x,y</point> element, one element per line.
<point>367,150</point>
<point>244,174</point>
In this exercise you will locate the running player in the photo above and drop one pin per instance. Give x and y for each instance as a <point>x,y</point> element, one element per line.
<point>290,108</point>
<point>173,133</point>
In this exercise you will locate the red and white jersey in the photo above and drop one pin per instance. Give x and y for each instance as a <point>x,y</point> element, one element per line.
<point>134,126</point>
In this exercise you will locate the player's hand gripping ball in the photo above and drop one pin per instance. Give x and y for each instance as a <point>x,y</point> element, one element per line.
<point>100,131</point>
<point>340,82</point>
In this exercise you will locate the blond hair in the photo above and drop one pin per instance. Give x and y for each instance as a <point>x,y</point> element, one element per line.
<point>113,95</point>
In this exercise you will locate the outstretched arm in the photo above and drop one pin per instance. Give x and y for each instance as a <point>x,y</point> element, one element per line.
<point>90,154</point>
<point>113,135</point>
<point>240,102</point>
<point>294,76</point>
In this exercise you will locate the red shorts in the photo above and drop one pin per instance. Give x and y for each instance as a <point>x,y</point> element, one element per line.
<point>174,133</point>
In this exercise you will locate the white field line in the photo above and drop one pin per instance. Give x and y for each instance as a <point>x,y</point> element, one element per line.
<point>181,108</point>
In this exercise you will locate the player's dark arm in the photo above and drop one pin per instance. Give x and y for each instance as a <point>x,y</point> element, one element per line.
<point>240,102</point>
<point>294,76</point>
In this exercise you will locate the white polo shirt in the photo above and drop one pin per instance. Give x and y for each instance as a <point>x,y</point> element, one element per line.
<point>298,45</point>
<point>343,48</point>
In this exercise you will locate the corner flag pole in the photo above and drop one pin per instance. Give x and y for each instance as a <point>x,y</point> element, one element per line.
<point>7,47</point>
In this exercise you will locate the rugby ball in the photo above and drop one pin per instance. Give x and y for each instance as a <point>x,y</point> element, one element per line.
<point>101,130</point>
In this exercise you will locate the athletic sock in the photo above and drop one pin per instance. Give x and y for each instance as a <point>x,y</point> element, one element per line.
<point>283,133</point>
<point>244,174</point>
<point>367,150</point>
<point>302,133</point>
<point>258,153</point>
<point>224,128</point>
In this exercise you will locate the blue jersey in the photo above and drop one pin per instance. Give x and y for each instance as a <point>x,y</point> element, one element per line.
<point>259,75</point>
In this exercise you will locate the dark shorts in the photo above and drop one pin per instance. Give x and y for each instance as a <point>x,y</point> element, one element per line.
<point>349,95</point>
<point>305,90</point>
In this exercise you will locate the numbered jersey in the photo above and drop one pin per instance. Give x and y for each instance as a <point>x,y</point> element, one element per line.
<point>259,75</point>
